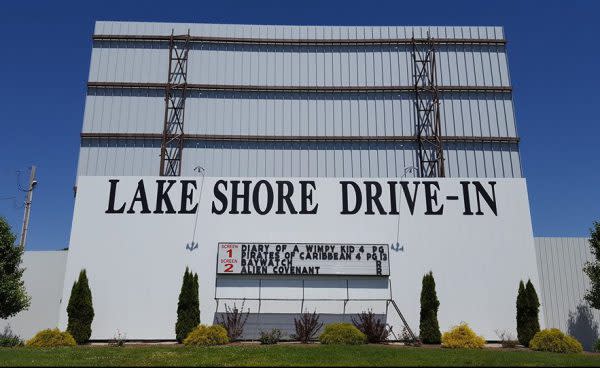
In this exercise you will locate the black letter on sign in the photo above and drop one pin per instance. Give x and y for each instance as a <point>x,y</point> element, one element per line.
<point>357,195</point>
<point>466,197</point>
<point>256,197</point>
<point>373,198</point>
<point>491,201</point>
<point>245,196</point>
<point>285,195</point>
<point>140,196</point>
<point>187,196</point>
<point>111,198</point>
<point>307,197</point>
<point>162,195</point>
<point>393,200</point>
<point>220,196</point>
<point>410,200</point>
<point>431,198</point>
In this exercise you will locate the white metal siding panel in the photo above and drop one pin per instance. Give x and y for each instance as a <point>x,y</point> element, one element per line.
<point>563,283</point>
<point>460,65</point>
<point>237,113</point>
<point>341,159</point>
<point>43,277</point>
<point>142,111</point>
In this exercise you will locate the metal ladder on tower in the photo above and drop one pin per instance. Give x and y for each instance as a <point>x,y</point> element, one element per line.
<point>175,94</point>
<point>430,153</point>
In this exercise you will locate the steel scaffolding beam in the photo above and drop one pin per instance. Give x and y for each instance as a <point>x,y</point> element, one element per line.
<point>301,138</point>
<point>298,89</point>
<point>175,94</point>
<point>300,41</point>
<point>430,153</point>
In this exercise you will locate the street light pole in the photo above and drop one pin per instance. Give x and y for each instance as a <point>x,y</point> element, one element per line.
<point>28,199</point>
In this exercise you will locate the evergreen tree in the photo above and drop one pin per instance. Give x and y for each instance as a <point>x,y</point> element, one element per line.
<point>522,315</point>
<point>188,306</point>
<point>429,328</point>
<point>196,300</point>
<point>13,297</point>
<point>528,308</point>
<point>80,310</point>
<point>592,269</point>
<point>533,311</point>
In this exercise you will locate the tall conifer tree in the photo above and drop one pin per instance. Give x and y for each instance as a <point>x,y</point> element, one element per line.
<point>528,308</point>
<point>429,328</point>
<point>521,314</point>
<point>80,310</point>
<point>533,311</point>
<point>188,307</point>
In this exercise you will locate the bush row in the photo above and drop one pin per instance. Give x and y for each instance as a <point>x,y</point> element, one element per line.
<point>366,328</point>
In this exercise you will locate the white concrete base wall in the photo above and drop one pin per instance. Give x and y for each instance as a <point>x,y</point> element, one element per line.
<point>44,275</point>
<point>135,262</point>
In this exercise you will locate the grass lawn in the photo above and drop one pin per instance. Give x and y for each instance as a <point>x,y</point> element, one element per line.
<point>286,355</point>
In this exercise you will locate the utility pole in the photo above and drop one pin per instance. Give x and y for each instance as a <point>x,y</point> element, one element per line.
<point>32,184</point>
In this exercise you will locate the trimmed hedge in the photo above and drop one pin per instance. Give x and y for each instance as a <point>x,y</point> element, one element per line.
<point>342,334</point>
<point>554,340</point>
<point>207,336</point>
<point>462,337</point>
<point>51,338</point>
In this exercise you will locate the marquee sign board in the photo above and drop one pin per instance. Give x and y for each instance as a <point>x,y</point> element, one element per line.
<point>303,259</point>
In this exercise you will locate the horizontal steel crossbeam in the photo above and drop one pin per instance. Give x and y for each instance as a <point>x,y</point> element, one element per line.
<point>282,138</point>
<point>302,89</point>
<point>297,41</point>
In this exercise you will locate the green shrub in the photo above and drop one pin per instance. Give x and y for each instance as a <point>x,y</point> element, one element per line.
<point>51,338</point>
<point>429,328</point>
<point>188,306</point>
<point>597,346</point>
<point>462,337</point>
<point>80,310</point>
<point>342,334</point>
<point>207,336</point>
<point>554,340</point>
<point>270,337</point>
<point>8,339</point>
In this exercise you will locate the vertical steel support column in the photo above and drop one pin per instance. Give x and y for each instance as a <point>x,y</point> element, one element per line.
<point>175,93</point>
<point>427,110</point>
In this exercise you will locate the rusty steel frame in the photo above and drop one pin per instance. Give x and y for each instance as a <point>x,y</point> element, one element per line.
<point>171,148</point>
<point>430,153</point>
<point>297,89</point>
<point>295,138</point>
<point>300,41</point>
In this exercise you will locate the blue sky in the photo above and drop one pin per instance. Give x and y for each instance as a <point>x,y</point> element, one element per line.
<point>553,55</point>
